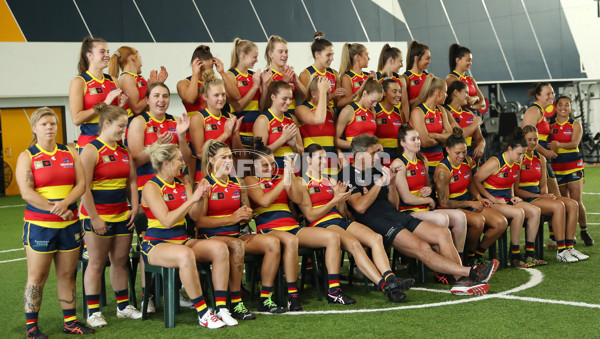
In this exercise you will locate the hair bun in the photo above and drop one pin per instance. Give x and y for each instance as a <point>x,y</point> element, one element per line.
<point>457,132</point>
<point>319,35</point>
<point>99,107</point>
<point>258,143</point>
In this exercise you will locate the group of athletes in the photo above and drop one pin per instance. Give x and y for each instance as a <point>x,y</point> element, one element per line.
<point>388,160</point>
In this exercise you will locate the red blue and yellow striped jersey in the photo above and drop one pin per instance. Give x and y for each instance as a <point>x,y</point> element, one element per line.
<point>531,173</point>
<point>213,127</point>
<point>174,196</point>
<point>197,105</point>
<point>53,178</point>
<point>356,80</point>
<point>95,91</point>
<point>275,129</point>
<point>244,83</point>
<point>142,86</point>
<point>109,182</point>
<point>363,122</point>
<point>388,123</point>
<point>460,178</point>
<point>329,74</point>
<point>414,82</point>
<point>434,124</point>
<point>152,129</point>
<point>321,192</point>
<point>467,80</point>
<point>568,160</point>
<point>323,135</point>
<point>278,76</point>
<point>278,215</point>
<point>499,184</point>
<point>464,118</point>
<point>542,126</point>
<point>416,178</point>
<point>223,200</point>
<point>395,76</point>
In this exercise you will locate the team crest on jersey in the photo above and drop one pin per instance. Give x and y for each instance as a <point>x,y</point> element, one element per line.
<point>554,131</point>
<point>454,179</point>
<point>431,120</point>
<point>43,163</point>
<point>140,83</point>
<point>151,129</point>
<point>503,175</point>
<point>361,118</point>
<point>96,90</point>
<point>358,84</point>
<point>169,197</point>
<point>211,127</point>
<point>277,129</point>
<point>411,173</point>
<point>382,121</point>
<point>217,196</point>
<point>109,158</point>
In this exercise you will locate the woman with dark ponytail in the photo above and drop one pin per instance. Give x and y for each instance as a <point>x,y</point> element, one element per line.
<point>459,116</point>
<point>460,60</point>
<point>456,189</point>
<point>418,58</point>
<point>390,62</point>
<point>389,118</point>
<point>354,58</point>
<point>494,180</point>
<point>322,52</point>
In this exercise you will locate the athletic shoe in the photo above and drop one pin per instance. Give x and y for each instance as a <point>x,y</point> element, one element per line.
<point>393,292</point>
<point>268,305</point>
<point>443,278</point>
<point>518,262</point>
<point>338,297</point>
<point>129,312</point>
<point>566,256</point>
<point>96,320</point>
<point>240,312</point>
<point>404,283</point>
<point>483,273</point>
<point>535,262</point>
<point>151,306</point>
<point>294,304</point>
<point>466,286</point>
<point>210,321</point>
<point>36,333</point>
<point>587,239</point>
<point>185,301</point>
<point>580,256</point>
<point>551,244</point>
<point>225,316</point>
<point>78,328</point>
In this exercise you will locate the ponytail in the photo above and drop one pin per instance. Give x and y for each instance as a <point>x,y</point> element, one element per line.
<point>456,51</point>
<point>369,86</point>
<point>537,88</point>
<point>274,88</point>
<point>432,84</point>
<point>456,138</point>
<point>349,51</point>
<point>119,59</point>
<point>402,133</point>
<point>240,47</point>
<point>273,39</point>
<point>86,47</point>
<point>319,43</point>
<point>517,139</point>
<point>456,85</point>
<point>209,79</point>
<point>415,49</point>
<point>387,52</point>
<point>108,113</point>
<point>202,52</point>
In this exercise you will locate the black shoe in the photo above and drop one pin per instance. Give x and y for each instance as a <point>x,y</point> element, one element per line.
<point>240,312</point>
<point>404,283</point>
<point>36,333</point>
<point>394,292</point>
<point>294,304</point>
<point>587,239</point>
<point>483,273</point>
<point>445,279</point>
<point>268,305</point>
<point>338,297</point>
<point>77,328</point>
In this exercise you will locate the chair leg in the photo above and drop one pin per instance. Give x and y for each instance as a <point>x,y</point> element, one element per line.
<point>170,290</point>
<point>83,266</point>
<point>503,249</point>
<point>146,297</point>
<point>539,240</point>
<point>131,274</point>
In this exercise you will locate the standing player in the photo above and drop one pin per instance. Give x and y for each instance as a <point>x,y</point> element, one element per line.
<point>51,180</point>
<point>390,62</point>
<point>389,118</point>
<point>418,58</point>
<point>460,60</point>
<point>354,58</point>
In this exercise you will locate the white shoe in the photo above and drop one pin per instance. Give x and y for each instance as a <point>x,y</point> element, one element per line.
<point>185,301</point>
<point>129,312</point>
<point>566,256</point>
<point>580,256</point>
<point>210,321</point>
<point>96,320</point>
<point>551,244</point>
<point>226,317</point>
<point>151,306</point>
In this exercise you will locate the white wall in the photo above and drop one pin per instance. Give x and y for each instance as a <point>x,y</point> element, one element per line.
<point>582,16</point>
<point>39,74</point>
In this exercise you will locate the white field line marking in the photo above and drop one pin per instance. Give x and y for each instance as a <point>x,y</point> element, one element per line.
<point>591,193</point>
<point>548,301</point>
<point>11,206</point>
<point>12,250</point>
<point>11,260</point>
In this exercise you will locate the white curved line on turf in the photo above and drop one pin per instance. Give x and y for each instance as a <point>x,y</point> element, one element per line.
<point>12,250</point>
<point>535,278</point>
<point>548,301</point>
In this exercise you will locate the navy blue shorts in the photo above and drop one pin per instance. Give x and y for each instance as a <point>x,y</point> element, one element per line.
<point>571,177</point>
<point>343,223</point>
<point>49,240</point>
<point>112,228</point>
<point>293,231</point>
<point>549,171</point>
<point>148,245</point>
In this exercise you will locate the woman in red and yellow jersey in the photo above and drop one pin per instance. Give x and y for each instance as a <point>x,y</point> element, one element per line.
<point>220,218</point>
<point>352,77</point>
<point>90,87</point>
<point>357,118</point>
<point>249,86</point>
<point>276,54</point>
<point>156,125</point>
<point>167,198</point>
<point>458,116</point>
<point>213,122</point>
<point>317,125</point>
<point>418,58</point>
<point>390,62</point>
<point>277,126</point>
<point>389,118</point>
<point>51,180</point>
<point>414,187</point>
<point>322,52</point>
<point>106,218</point>
<point>460,60</point>
<point>456,190</point>
<point>564,139</point>
<point>531,186</point>
<point>429,121</point>
<point>324,205</point>
<point>494,180</point>
<point>189,88</point>
<point>269,195</point>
